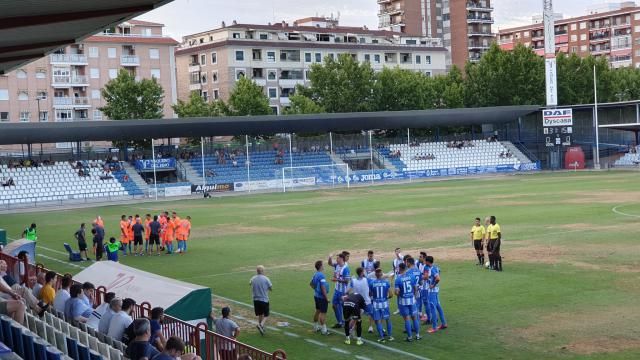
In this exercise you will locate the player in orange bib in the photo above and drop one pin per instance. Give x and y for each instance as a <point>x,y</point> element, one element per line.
<point>163,229</point>
<point>124,233</point>
<point>183,233</point>
<point>147,232</point>
<point>172,226</point>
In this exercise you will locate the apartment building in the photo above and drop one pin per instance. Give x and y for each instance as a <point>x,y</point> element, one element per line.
<point>463,25</point>
<point>279,56</point>
<point>612,34</point>
<point>66,85</point>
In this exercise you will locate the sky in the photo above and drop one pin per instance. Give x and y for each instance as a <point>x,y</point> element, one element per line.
<point>183,17</point>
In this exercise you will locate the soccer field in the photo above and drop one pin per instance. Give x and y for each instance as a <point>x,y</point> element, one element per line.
<point>569,289</point>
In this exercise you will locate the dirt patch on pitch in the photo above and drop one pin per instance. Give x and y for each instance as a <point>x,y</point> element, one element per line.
<point>409,212</point>
<point>602,345</point>
<point>376,226</point>
<point>236,229</point>
<point>604,197</point>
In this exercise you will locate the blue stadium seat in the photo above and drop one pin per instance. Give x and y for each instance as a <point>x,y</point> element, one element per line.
<point>54,354</point>
<point>16,334</point>
<point>83,352</point>
<point>27,342</point>
<point>7,338</point>
<point>72,348</point>
<point>40,349</point>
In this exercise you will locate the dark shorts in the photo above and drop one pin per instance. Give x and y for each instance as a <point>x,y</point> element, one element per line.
<point>496,246</point>
<point>351,313</point>
<point>82,245</point>
<point>99,250</point>
<point>322,305</point>
<point>493,245</point>
<point>477,244</point>
<point>261,308</point>
<point>137,240</point>
<point>154,239</point>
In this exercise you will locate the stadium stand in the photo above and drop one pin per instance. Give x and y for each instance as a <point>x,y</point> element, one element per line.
<point>439,155</point>
<point>61,181</point>
<point>632,158</point>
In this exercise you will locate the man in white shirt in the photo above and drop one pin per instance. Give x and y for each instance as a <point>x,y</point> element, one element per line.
<point>40,281</point>
<point>121,320</point>
<point>360,285</point>
<point>62,295</point>
<point>115,305</point>
<point>96,315</point>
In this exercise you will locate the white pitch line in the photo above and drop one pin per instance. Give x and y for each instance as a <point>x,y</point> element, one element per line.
<point>62,262</point>
<point>273,328</point>
<point>359,357</point>
<point>52,250</point>
<point>342,351</point>
<point>372,343</point>
<point>316,342</point>
<point>615,210</point>
<point>291,334</point>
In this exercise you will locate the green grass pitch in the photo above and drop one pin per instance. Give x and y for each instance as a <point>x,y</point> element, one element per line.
<point>569,289</point>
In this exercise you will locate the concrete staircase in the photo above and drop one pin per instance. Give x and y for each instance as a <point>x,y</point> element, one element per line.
<point>192,175</point>
<point>515,151</point>
<point>337,160</point>
<point>135,177</point>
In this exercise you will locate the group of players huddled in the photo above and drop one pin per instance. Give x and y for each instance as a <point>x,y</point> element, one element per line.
<point>160,231</point>
<point>415,285</point>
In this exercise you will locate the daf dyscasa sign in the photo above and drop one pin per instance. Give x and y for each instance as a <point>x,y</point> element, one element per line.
<point>557,117</point>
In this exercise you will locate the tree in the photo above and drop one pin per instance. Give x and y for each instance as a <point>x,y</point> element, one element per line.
<point>575,79</point>
<point>248,98</point>
<point>300,104</point>
<point>449,90</point>
<point>128,99</point>
<point>342,85</point>
<point>397,89</point>
<point>197,107</point>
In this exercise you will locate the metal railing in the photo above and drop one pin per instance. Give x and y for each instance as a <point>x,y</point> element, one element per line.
<point>130,60</point>
<point>78,101</point>
<point>62,79</point>
<point>204,342</point>
<point>57,200</point>
<point>68,58</point>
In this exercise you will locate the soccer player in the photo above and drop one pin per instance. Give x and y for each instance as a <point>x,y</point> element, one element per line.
<point>154,235</point>
<point>130,224</point>
<point>477,237</point>
<point>124,234</point>
<point>147,232</point>
<point>380,291</point>
<point>367,264</point>
<point>163,229</point>
<point>487,223</point>
<point>138,233</point>
<point>341,276</point>
<point>360,285</point>
<point>182,234</point>
<point>353,306</point>
<point>434,297</point>
<point>80,235</point>
<point>395,266</point>
<point>321,298</point>
<point>495,238</point>
<point>405,291</point>
<point>416,276</point>
<point>424,289</point>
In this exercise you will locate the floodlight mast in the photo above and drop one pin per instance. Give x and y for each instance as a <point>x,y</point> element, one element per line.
<point>550,54</point>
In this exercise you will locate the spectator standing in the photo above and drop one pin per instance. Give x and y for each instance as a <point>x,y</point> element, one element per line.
<point>62,295</point>
<point>227,327</point>
<point>96,315</point>
<point>157,318</point>
<point>48,294</point>
<point>30,233</point>
<point>260,287</point>
<point>140,348</point>
<point>115,305</point>
<point>82,242</point>
<point>121,320</point>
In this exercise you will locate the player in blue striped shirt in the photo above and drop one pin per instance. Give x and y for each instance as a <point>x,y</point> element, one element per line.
<point>380,291</point>
<point>321,298</point>
<point>434,297</point>
<point>405,289</point>
<point>342,277</point>
<point>368,263</point>
<point>424,289</point>
<point>416,276</point>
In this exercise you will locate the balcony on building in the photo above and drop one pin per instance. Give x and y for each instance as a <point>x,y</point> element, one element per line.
<point>71,102</point>
<point>384,1</point>
<point>476,45</point>
<point>290,78</point>
<point>479,31</point>
<point>479,19</point>
<point>65,81</point>
<point>391,10</point>
<point>599,50</point>
<point>474,57</point>
<point>620,61</point>
<point>478,6</point>
<point>537,35</point>
<point>68,59</point>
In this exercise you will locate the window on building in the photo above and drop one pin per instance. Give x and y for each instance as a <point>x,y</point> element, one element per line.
<point>367,57</point>
<point>307,74</point>
<point>240,73</point>
<point>574,49</point>
<point>43,116</point>
<point>574,27</point>
<point>427,59</point>
<point>411,42</point>
<point>376,58</point>
<point>290,55</point>
<point>307,57</point>
<point>332,56</point>
<point>418,59</point>
<point>4,94</point>
<point>583,25</point>
<point>264,36</point>
<point>214,76</point>
<point>272,75</point>
<point>113,73</point>
<point>94,52</point>
<point>574,37</point>
<point>525,34</point>
<point>216,94</point>
<point>97,115</point>
<point>95,94</point>
<point>203,59</point>
<point>155,73</point>
<point>21,74</point>
<point>256,54</point>
<point>94,73</point>
<point>214,58</point>
<point>64,115</point>
<point>4,116</point>
<point>154,53</point>
<point>273,93</point>
<point>41,95</point>
<point>205,95</point>
<point>271,56</point>
<point>25,116</point>
<point>203,78</point>
<point>427,73</point>
<point>23,95</point>
<point>236,35</point>
<point>318,57</point>
<point>583,48</point>
<point>146,32</point>
<point>583,37</point>
<point>111,53</point>
<point>239,55</point>
<point>274,110</point>
<point>41,73</point>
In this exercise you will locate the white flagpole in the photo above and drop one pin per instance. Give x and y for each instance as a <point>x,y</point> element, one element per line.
<point>204,176</point>
<point>153,159</point>
<point>246,140</point>
<point>595,117</point>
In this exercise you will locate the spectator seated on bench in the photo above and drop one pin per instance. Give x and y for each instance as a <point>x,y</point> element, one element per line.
<point>73,256</point>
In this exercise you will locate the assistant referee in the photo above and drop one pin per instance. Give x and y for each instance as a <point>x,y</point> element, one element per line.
<point>477,237</point>
<point>495,237</point>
